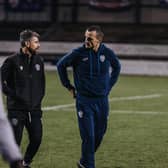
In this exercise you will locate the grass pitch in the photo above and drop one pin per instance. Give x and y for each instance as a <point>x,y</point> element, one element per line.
<point>137,134</point>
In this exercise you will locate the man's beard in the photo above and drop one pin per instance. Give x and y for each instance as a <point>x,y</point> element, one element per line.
<point>32,51</point>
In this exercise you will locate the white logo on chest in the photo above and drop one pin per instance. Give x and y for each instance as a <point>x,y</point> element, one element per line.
<point>102,58</point>
<point>37,66</point>
<point>21,67</point>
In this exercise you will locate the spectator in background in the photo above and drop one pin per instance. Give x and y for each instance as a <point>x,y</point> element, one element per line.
<point>93,82</point>
<point>13,3</point>
<point>164,3</point>
<point>110,4</point>
<point>23,82</point>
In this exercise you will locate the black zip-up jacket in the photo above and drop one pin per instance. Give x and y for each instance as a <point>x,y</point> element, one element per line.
<point>23,82</point>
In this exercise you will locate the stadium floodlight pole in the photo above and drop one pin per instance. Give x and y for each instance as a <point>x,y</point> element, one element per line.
<point>75,11</point>
<point>137,11</point>
<point>54,10</point>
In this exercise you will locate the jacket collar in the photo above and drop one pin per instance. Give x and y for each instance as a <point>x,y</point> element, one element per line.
<point>25,56</point>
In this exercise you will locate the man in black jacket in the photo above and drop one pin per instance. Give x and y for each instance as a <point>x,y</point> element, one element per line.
<point>23,82</point>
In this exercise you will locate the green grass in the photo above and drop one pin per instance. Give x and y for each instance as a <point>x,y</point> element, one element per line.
<point>136,136</point>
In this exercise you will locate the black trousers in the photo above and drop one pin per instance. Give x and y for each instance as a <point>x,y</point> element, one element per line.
<point>33,126</point>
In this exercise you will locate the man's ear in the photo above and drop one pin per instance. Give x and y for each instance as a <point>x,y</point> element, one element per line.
<point>100,39</point>
<point>27,43</point>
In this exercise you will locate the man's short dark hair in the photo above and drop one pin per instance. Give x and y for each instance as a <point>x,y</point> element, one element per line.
<point>98,30</point>
<point>26,35</point>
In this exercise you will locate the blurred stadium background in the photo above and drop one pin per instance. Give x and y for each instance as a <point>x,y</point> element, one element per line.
<point>137,30</point>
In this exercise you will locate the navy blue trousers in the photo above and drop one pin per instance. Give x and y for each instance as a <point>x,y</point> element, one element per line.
<point>92,119</point>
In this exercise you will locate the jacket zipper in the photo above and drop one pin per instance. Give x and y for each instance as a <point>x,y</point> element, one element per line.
<point>30,86</point>
<point>29,114</point>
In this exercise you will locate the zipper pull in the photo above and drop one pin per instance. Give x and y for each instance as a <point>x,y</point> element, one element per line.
<point>29,117</point>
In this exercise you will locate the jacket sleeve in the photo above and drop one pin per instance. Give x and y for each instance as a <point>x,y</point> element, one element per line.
<point>116,67</point>
<point>62,65</point>
<point>43,80</point>
<point>6,73</point>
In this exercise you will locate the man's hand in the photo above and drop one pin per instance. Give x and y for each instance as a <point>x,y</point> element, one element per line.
<point>72,91</point>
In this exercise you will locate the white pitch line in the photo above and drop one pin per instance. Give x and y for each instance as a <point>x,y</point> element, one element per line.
<point>126,112</point>
<point>58,107</point>
<point>137,112</point>
<point>136,97</point>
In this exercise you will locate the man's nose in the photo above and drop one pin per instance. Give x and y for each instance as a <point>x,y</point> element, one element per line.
<point>86,41</point>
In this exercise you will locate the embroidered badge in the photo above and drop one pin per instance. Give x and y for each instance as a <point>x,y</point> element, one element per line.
<point>80,113</point>
<point>14,121</point>
<point>21,67</point>
<point>37,66</point>
<point>102,58</point>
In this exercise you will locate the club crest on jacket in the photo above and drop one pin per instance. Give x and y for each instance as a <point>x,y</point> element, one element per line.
<point>37,66</point>
<point>14,121</point>
<point>102,58</point>
<point>80,114</point>
<point>21,67</point>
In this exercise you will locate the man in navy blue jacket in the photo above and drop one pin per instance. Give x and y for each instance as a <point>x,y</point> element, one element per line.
<point>93,81</point>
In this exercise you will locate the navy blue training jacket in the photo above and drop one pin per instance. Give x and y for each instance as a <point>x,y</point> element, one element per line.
<point>92,76</point>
